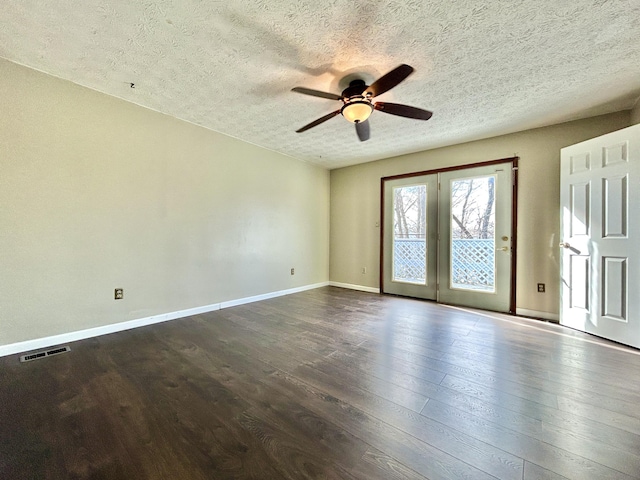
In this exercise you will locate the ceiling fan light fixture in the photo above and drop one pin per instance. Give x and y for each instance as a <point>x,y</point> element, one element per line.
<point>358,104</point>
<point>357,111</point>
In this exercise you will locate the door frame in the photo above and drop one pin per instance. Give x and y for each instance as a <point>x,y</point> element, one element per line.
<point>513,163</point>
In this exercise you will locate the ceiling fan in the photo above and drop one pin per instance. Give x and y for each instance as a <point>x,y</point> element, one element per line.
<point>357,103</point>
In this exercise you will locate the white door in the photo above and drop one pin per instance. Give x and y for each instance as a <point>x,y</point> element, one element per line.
<point>600,187</point>
<point>475,245</point>
<point>410,235</point>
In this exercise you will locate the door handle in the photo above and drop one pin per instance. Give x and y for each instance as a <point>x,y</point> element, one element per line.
<point>502,249</point>
<point>569,247</point>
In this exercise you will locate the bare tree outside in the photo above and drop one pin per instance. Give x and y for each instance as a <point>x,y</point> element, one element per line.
<point>472,208</point>
<point>410,219</point>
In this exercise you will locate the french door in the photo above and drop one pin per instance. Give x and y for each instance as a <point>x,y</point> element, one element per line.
<point>447,236</point>
<point>411,236</point>
<point>599,188</point>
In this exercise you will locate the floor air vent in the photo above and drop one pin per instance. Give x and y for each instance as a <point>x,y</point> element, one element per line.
<point>46,353</point>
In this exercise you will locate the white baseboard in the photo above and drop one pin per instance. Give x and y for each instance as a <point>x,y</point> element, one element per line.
<point>351,286</point>
<point>46,342</point>
<point>553,317</point>
<point>266,296</point>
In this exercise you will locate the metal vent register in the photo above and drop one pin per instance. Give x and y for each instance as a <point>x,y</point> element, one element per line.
<point>46,353</point>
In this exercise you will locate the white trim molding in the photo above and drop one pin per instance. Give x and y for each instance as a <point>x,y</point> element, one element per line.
<point>265,296</point>
<point>46,342</point>
<point>351,286</point>
<point>553,317</point>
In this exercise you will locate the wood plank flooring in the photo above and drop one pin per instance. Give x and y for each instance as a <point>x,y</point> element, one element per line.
<point>327,384</point>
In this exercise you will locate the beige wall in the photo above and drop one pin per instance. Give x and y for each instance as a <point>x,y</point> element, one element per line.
<point>355,203</point>
<point>97,193</point>
<point>635,113</point>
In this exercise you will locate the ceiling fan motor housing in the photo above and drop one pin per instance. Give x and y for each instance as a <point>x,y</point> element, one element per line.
<point>355,88</point>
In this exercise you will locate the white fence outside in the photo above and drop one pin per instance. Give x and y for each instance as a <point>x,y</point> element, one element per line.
<point>472,264</point>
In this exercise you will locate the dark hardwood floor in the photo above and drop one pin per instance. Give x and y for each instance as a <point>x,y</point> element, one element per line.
<point>327,384</point>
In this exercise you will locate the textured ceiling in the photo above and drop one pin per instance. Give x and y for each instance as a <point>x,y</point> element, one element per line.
<point>483,67</point>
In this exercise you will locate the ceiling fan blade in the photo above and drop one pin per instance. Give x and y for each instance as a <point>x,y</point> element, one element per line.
<point>403,110</point>
<point>362,129</point>
<point>389,80</point>
<point>316,93</point>
<point>318,121</point>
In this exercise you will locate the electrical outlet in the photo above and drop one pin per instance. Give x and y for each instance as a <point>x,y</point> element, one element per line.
<point>541,287</point>
<point>119,294</point>
<point>293,271</point>
<point>364,270</point>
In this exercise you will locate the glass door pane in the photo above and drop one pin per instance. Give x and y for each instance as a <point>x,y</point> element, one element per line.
<point>409,234</point>
<point>473,234</point>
